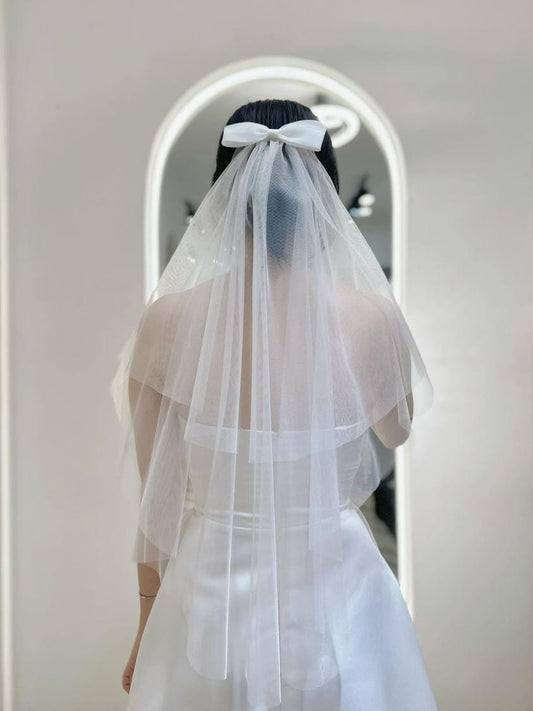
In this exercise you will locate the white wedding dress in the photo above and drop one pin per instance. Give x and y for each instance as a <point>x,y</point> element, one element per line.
<point>381,669</point>
<point>274,315</point>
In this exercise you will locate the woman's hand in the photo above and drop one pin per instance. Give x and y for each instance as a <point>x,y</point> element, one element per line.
<point>127,674</point>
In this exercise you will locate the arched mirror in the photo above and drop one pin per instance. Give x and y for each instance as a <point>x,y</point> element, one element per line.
<point>372,187</point>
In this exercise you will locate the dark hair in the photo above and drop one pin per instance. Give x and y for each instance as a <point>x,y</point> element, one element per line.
<point>281,209</point>
<point>275,113</point>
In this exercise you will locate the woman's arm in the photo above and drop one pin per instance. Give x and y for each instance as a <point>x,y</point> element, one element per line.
<point>389,359</point>
<point>145,404</point>
<point>388,428</point>
<point>149,584</point>
<point>397,361</point>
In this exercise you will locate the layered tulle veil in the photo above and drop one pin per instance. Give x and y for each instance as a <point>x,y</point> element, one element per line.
<point>272,320</point>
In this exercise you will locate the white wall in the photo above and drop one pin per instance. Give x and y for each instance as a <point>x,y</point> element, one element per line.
<point>88,84</point>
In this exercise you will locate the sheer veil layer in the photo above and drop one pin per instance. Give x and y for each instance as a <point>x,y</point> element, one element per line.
<point>270,349</point>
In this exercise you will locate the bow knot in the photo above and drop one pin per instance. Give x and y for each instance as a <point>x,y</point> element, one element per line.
<point>308,133</point>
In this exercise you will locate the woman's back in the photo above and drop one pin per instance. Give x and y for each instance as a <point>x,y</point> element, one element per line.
<point>270,348</point>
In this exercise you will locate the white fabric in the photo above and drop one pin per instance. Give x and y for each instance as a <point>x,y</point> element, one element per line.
<point>301,134</point>
<point>269,348</point>
<point>375,667</point>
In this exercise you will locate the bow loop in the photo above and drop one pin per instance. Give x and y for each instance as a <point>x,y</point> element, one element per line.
<point>307,133</point>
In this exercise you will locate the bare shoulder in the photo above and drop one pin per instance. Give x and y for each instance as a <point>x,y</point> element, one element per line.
<point>163,308</point>
<point>168,309</point>
<point>363,309</point>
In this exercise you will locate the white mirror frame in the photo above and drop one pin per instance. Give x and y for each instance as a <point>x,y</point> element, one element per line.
<point>200,95</point>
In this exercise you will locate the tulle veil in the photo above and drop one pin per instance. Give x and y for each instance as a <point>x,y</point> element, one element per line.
<point>269,350</point>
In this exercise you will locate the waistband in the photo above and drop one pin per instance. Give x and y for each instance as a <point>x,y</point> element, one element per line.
<point>245,519</point>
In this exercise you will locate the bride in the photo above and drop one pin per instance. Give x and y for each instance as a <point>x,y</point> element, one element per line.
<point>269,351</point>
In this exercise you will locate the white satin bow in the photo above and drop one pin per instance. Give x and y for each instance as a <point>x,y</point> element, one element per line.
<point>308,133</point>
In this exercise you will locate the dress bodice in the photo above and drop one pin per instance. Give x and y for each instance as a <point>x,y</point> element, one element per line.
<point>234,472</point>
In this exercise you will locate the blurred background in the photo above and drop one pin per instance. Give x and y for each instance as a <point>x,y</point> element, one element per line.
<point>431,111</point>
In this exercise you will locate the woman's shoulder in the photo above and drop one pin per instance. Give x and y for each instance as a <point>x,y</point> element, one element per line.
<point>361,307</point>
<point>168,308</point>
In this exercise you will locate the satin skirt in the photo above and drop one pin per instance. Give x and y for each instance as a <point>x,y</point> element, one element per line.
<point>380,667</point>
